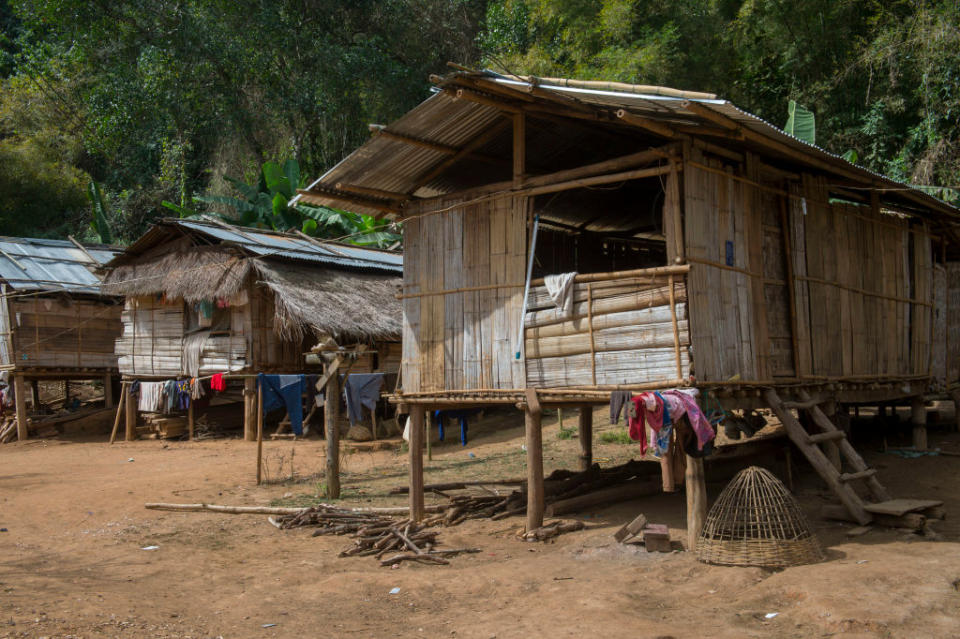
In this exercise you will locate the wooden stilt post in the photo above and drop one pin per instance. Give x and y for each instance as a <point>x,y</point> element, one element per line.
<point>417,424</point>
<point>331,407</point>
<point>20,399</point>
<point>585,434</point>
<point>116,420</point>
<point>259,433</point>
<point>428,435</point>
<point>35,395</point>
<point>108,391</point>
<point>666,474</point>
<point>560,417</point>
<point>130,409</point>
<point>250,409</point>
<point>535,492</point>
<point>918,417</point>
<point>191,422</point>
<point>955,395</point>
<point>696,500</point>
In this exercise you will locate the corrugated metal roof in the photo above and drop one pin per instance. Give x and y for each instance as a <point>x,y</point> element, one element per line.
<point>29,264</point>
<point>389,165</point>
<point>277,245</point>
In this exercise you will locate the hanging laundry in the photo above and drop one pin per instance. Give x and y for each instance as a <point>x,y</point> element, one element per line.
<point>560,290</point>
<point>618,399</point>
<point>151,396</point>
<point>666,429</point>
<point>184,389</point>
<point>169,396</point>
<point>361,389</point>
<point>196,388</point>
<point>686,403</point>
<point>218,383</point>
<point>281,391</point>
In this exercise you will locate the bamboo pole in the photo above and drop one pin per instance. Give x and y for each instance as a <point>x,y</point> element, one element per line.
<point>20,401</point>
<point>535,488</point>
<point>417,414</point>
<point>259,433</point>
<point>120,407</point>
<point>277,510</point>
<point>676,328</point>
<point>593,346</point>
<point>696,490</point>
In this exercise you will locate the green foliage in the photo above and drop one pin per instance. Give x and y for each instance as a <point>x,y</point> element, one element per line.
<point>266,206</point>
<point>99,223</point>
<point>566,433</point>
<point>801,122</point>
<point>618,436</point>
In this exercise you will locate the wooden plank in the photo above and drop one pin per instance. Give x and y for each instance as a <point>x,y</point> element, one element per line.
<point>900,507</point>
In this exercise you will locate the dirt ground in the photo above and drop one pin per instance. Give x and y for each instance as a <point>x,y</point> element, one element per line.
<point>73,561</point>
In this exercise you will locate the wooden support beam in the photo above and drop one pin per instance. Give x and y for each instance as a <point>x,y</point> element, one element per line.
<point>607,166</point>
<point>130,411</point>
<point>585,435</point>
<point>519,148</point>
<point>108,391</point>
<point>191,422</point>
<point>480,98</point>
<point>535,489</point>
<point>318,193</point>
<point>863,474</point>
<point>918,417</point>
<point>412,141</point>
<point>468,149</point>
<point>366,190</point>
<point>259,433</point>
<point>331,408</point>
<point>20,401</point>
<point>696,490</point>
<point>828,436</point>
<point>417,422</point>
<point>250,409</point>
<point>648,124</point>
<point>120,408</point>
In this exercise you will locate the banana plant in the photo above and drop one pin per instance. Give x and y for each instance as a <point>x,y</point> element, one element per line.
<point>266,205</point>
<point>99,223</point>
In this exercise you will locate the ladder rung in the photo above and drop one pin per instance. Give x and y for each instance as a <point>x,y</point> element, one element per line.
<point>828,436</point>
<point>863,474</point>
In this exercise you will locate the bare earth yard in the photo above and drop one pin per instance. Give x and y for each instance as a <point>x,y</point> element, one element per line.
<point>72,561</point>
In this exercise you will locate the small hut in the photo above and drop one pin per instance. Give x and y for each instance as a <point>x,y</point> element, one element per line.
<point>711,250</point>
<point>55,323</point>
<point>206,298</point>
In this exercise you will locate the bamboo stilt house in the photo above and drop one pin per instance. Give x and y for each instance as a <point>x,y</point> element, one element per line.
<point>55,323</point>
<point>204,298</point>
<point>711,250</point>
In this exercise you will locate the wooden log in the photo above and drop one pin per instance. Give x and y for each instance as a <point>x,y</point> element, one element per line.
<point>417,419</point>
<point>624,492</point>
<point>120,408</point>
<point>619,303</point>
<point>459,485</point>
<point>331,428</point>
<point>585,435</point>
<point>20,401</point>
<point>696,489</point>
<point>108,391</point>
<point>631,529</point>
<point>918,418</point>
<point>130,410</point>
<point>250,409</point>
<point>271,510</point>
<point>534,442</point>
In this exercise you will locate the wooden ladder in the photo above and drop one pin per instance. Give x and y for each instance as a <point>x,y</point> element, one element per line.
<point>838,481</point>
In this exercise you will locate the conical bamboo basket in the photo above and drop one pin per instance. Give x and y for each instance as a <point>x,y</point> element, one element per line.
<point>757,522</point>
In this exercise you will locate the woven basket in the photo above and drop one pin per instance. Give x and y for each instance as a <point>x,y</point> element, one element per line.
<point>757,522</point>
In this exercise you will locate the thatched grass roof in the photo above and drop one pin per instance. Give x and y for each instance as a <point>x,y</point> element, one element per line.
<point>342,303</point>
<point>335,302</point>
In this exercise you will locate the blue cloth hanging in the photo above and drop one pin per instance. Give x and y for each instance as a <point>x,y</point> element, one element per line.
<point>284,391</point>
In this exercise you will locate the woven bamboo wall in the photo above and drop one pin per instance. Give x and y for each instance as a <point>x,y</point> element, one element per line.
<point>853,299</point>
<point>464,339</point>
<point>151,344</point>
<point>621,331</point>
<point>63,333</point>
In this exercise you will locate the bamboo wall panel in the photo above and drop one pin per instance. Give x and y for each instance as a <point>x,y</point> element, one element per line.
<point>953,321</point>
<point>721,227</point>
<point>6,331</point>
<point>63,332</point>
<point>624,338</point>
<point>939,351</point>
<point>464,339</point>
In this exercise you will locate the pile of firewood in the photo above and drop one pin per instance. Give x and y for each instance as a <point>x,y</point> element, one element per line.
<point>8,429</point>
<point>375,534</point>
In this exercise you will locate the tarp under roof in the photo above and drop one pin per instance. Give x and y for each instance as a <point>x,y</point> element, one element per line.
<point>390,166</point>
<point>31,264</point>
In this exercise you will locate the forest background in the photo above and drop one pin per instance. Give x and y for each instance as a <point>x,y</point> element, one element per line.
<point>155,100</point>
